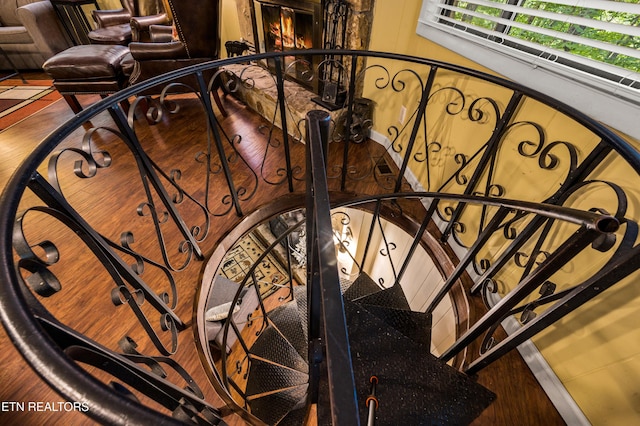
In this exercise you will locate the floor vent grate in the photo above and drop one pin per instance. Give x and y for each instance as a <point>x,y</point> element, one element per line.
<point>383,168</point>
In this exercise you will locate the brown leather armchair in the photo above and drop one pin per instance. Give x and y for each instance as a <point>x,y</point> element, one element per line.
<point>132,22</point>
<point>198,31</point>
<point>194,38</point>
<point>197,25</point>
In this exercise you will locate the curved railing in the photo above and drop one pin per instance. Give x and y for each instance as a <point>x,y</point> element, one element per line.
<point>118,209</point>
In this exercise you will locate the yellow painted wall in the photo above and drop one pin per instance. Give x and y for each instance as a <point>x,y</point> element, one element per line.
<point>596,351</point>
<point>394,30</point>
<point>230,29</point>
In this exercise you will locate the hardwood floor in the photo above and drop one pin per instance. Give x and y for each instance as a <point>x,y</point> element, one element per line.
<point>520,399</point>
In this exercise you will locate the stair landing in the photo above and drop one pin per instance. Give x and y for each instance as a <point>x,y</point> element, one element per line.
<point>414,387</point>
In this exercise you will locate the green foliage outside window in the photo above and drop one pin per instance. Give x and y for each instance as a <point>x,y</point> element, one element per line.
<point>601,55</point>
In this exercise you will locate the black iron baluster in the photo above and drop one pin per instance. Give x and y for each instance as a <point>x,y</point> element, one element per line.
<point>289,267</point>
<point>567,251</point>
<point>386,252</point>
<point>417,238</point>
<point>213,123</point>
<point>489,153</point>
<point>55,200</point>
<point>372,227</point>
<point>283,119</point>
<point>146,170</point>
<point>511,251</point>
<point>416,126</point>
<point>347,142</point>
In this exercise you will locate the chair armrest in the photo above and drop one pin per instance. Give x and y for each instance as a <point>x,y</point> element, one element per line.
<point>140,25</point>
<point>110,18</point>
<point>161,33</point>
<point>146,21</point>
<point>44,27</point>
<point>157,51</point>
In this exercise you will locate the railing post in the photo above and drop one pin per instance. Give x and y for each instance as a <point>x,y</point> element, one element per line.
<point>313,284</point>
<point>326,308</point>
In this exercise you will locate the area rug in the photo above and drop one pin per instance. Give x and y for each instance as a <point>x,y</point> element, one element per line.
<point>270,274</point>
<point>18,100</point>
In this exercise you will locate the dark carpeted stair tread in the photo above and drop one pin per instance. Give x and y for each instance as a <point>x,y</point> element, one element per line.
<point>300,297</point>
<point>414,325</point>
<point>274,407</point>
<point>286,319</point>
<point>415,388</point>
<point>266,377</point>
<point>392,297</point>
<point>296,416</point>
<point>362,286</point>
<point>272,345</point>
<point>345,283</point>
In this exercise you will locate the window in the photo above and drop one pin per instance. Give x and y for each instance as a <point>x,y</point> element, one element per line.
<point>592,45</point>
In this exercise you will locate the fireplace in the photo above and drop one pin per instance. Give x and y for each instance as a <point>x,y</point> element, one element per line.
<point>285,25</point>
<point>358,25</point>
<point>285,28</point>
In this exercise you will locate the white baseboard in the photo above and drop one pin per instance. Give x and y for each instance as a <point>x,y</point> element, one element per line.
<point>549,381</point>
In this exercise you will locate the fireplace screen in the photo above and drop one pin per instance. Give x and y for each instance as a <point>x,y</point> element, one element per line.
<point>287,27</point>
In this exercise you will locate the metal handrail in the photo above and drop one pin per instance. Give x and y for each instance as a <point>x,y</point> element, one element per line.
<point>324,283</point>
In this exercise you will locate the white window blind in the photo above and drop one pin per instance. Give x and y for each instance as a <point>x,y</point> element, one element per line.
<point>601,37</point>
<point>585,53</point>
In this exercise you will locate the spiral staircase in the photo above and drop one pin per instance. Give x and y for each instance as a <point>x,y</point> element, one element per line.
<point>132,215</point>
<point>387,341</point>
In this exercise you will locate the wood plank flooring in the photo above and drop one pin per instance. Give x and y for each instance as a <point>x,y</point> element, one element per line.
<point>520,399</point>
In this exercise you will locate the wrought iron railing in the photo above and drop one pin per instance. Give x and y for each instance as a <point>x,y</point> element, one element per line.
<point>124,207</point>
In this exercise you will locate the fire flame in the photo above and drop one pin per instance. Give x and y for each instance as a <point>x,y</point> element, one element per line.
<point>285,35</point>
